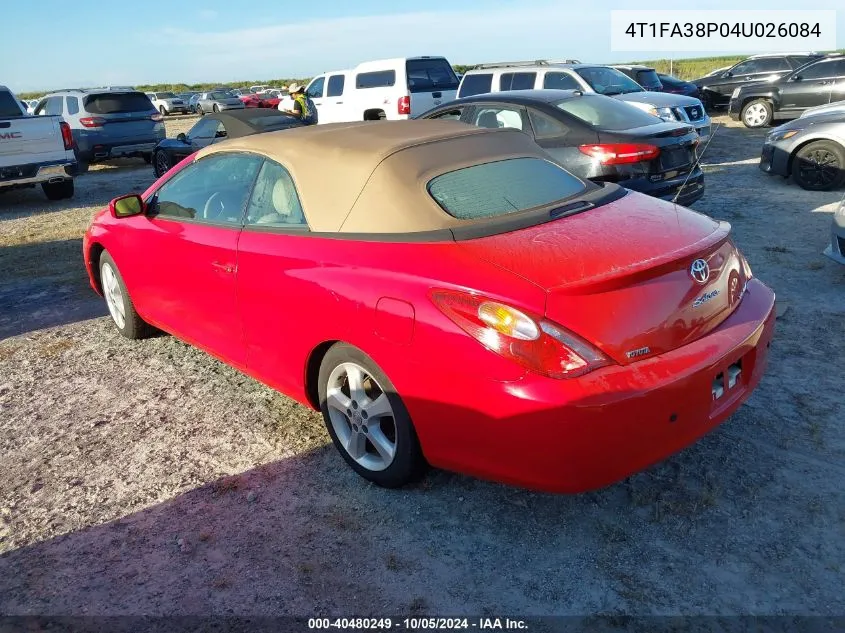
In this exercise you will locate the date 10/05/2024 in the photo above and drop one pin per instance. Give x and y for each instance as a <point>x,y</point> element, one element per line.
<point>417,624</point>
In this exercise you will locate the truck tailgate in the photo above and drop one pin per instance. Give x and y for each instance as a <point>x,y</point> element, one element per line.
<point>30,139</point>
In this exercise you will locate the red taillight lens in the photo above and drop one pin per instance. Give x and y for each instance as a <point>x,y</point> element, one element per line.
<point>157,117</point>
<point>92,121</point>
<point>67,136</point>
<point>405,105</point>
<point>621,153</point>
<point>535,343</point>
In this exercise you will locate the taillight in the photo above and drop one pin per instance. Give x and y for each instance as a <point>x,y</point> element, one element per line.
<point>535,343</point>
<point>92,121</point>
<point>620,153</point>
<point>405,105</point>
<point>67,136</point>
<point>157,117</point>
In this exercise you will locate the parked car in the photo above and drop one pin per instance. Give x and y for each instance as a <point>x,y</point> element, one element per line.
<point>216,101</point>
<point>599,330</point>
<point>678,86</point>
<point>216,127</point>
<point>812,150</point>
<point>392,89</point>
<point>35,151</point>
<point>168,103</point>
<point>716,88</point>
<point>186,97</point>
<point>645,76</point>
<point>817,83</point>
<point>192,102</point>
<point>834,107</point>
<point>604,80</point>
<point>836,249</point>
<point>594,137</point>
<point>267,99</point>
<point>107,123</point>
<point>30,106</point>
<point>259,88</point>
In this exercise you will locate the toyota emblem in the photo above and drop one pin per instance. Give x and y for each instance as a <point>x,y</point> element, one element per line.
<point>700,271</point>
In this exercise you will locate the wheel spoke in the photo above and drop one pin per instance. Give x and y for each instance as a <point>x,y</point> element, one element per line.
<point>356,382</point>
<point>378,408</point>
<point>356,445</point>
<point>336,399</point>
<point>386,449</point>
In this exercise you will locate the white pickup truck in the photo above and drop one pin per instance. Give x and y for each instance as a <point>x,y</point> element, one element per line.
<point>35,150</point>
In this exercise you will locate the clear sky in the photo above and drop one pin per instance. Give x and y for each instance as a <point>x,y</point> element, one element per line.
<point>48,44</point>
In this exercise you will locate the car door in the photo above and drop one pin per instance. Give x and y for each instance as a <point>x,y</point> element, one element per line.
<point>837,91</point>
<point>333,105</point>
<point>273,280</point>
<point>181,257</point>
<point>808,87</point>
<point>315,91</point>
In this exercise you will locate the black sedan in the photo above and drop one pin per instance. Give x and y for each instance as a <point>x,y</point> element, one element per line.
<point>678,86</point>
<point>216,127</point>
<point>595,137</point>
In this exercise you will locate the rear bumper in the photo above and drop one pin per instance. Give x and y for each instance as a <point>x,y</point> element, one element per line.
<point>106,151</point>
<point>690,190</point>
<point>586,433</point>
<point>33,174</point>
<point>836,249</point>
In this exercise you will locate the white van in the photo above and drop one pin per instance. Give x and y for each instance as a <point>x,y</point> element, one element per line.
<point>392,89</point>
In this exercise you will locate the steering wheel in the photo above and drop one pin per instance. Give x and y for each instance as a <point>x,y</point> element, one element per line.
<point>214,207</point>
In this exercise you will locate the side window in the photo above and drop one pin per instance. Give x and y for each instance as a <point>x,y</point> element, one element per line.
<point>214,190</point>
<point>54,105</point>
<point>220,133</point>
<point>544,125</point>
<point>377,79</point>
<point>203,132</point>
<point>453,114</point>
<point>839,68</point>
<point>772,64</point>
<point>41,107</point>
<point>274,200</point>
<point>476,84</point>
<point>315,90</point>
<point>499,116</point>
<point>560,81</point>
<point>819,71</point>
<point>517,81</point>
<point>746,67</point>
<point>72,104</point>
<point>335,88</point>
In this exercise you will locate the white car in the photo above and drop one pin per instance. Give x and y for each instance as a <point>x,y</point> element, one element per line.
<point>392,89</point>
<point>168,103</point>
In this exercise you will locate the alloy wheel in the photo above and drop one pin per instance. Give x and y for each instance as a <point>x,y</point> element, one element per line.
<point>819,167</point>
<point>162,163</point>
<point>361,416</point>
<point>113,295</point>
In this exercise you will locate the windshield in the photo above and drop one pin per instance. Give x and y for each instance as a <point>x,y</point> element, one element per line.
<point>606,114</point>
<point>502,187</point>
<point>220,95</point>
<point>166,95</point>
<point>608,81</point>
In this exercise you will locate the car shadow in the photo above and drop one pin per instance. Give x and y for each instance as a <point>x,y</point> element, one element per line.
<point>47,286</point>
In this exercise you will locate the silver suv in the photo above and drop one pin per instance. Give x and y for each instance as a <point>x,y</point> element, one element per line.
<point>538,75</point>
<point>107,123</point>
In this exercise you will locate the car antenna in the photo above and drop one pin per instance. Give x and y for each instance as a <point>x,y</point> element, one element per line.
<point>697,161</point>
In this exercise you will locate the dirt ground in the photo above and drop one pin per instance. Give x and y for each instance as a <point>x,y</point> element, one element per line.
<point>148,478</point>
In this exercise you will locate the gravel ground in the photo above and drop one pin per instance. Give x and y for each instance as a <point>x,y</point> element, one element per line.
<point>148,478</point>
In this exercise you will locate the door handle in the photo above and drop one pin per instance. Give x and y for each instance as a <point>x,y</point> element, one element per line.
<point>226,268</point>
<point>338,102</point>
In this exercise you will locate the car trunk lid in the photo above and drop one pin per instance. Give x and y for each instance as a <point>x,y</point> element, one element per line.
<point>677,145</point>
<point>621,275</point>
<point>431,81</point>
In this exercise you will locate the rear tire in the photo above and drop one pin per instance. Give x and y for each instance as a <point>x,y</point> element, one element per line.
<point>199,110</point>
<point>162,110</point>
<point>382,445</point>
<point>215,108</point>
<point>58,190</point>
<point>122,310</point>
<point>757,113</point>
<point>819,166</point>
<point>161,164</point>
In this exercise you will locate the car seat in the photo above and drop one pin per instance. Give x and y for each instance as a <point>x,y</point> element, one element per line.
<point>488,119</point>
<point>286,207</point>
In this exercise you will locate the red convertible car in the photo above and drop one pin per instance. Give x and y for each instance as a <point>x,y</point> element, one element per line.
<point>444,294</point>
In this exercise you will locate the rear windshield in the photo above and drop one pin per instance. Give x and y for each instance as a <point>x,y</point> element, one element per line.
<point>476,84</point>
<point>648,78</point>
<point>270,123</point>
<point>605,113</point>
<point>427,75</point>
<point>117,102</point>
<point>8,106</point>
<point>502,187</point>
<point>608,81</point>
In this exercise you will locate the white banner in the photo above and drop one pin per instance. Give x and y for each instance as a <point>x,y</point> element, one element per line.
<point>729,31</point>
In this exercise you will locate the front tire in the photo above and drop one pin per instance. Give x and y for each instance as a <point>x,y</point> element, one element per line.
<point>757,113</point>
<point>216,109</point>
<point>200,110</point>
<point>120,306</point>
<point>58,190</point>
<point>162,110</point>
<point>819,166</point>
<point>366,419</point>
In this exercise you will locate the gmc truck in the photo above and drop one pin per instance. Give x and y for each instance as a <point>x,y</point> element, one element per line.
<point>35,150</point>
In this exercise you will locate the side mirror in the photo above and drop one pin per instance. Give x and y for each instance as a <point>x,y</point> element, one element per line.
<point>795,78</point>
<point>126,206</point>
<point>181,137</point>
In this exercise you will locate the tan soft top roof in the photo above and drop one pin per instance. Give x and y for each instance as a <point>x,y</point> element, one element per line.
<point>371,177</point>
